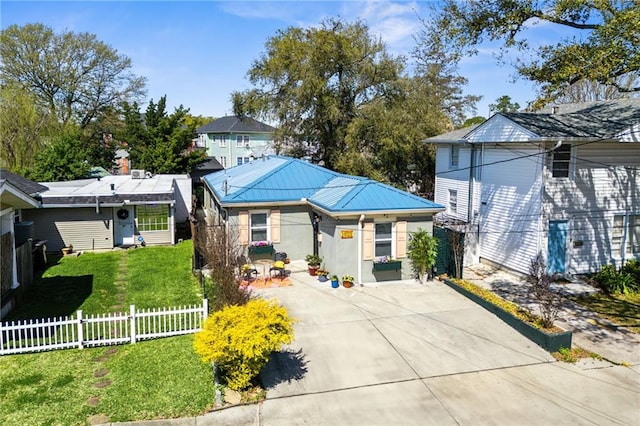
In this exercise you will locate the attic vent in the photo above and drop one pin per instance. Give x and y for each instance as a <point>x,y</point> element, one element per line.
<point>137,174</point>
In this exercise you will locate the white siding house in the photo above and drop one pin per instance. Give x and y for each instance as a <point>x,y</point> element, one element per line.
<point>565,184</point>
<point>95,214</point>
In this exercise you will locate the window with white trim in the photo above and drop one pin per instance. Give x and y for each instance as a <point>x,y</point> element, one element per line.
<point>153,217</point>
<point>222,141</point>
<point>454,156</point>
<point>453,201</point>
<point>242,141</point>
<point>561,162</point>
<point>625,235</point>
<point>223,161</point>
<point>633,246</point>
<point>259,226</point>
<point>239,161</point>
<point>383,239</point>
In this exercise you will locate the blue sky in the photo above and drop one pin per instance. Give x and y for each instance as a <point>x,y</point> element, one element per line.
<point>198,52</point>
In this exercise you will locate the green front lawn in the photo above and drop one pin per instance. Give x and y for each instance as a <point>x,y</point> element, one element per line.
<point>149,277</point>
<point>161,378</point>
<point>621,309</point>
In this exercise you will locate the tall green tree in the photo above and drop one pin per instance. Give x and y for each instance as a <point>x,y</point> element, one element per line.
<point>23,128</point>
<point>604,45</point>
<point>157,141</point>
<point>64,158</point>
<point>74,76</point>
<point>504,104</point>
<point>314,82</point>
<point>385,140</point>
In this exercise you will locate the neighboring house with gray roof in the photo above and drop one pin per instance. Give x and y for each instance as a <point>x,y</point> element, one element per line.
<point>302,208</point>
<point>235,140</point>
<point>112,211</point>
<point>565,182</point>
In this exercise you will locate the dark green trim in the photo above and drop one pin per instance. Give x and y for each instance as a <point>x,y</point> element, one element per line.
<point>551,342</point>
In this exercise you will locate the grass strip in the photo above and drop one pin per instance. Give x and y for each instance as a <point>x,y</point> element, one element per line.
<point>621,309</point>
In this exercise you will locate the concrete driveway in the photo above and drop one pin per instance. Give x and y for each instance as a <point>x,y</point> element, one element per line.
<point>411,354</point>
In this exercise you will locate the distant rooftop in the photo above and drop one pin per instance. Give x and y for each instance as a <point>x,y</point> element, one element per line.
<point>235,124</point>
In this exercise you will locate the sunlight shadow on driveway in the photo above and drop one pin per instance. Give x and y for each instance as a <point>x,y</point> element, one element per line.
<point>285,366</point>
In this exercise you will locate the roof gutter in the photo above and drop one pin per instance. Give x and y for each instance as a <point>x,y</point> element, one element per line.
<point>261,204</point>
<point>377,212</point>
<point>96,205</point>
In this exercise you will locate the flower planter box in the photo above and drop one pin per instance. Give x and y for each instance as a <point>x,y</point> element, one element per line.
<point>551,342</point>
<point>395,265</point>
<point>261,250</point>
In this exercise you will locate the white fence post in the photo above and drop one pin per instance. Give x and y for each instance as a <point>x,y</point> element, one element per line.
<point>205,309</point>
<point>80,329</point>
<point>132,321</point>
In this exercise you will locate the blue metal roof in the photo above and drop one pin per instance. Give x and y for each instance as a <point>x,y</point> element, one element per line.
<point>276,179</point>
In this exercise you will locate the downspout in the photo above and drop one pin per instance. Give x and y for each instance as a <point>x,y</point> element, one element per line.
<point>472,175</point>
<point>359,277</point>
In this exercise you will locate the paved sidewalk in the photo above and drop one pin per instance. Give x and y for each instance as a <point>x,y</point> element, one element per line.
<point>590,332</point>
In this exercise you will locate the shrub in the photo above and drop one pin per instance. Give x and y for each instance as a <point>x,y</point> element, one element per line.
<point>239,339</point>
<point>540,288</point>
<point>423,250</point>
<point>221,253</point>
<point>610,281</point>
<point>632,267</point>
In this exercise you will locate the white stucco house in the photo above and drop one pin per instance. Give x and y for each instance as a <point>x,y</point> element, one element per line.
<point>564,182</point>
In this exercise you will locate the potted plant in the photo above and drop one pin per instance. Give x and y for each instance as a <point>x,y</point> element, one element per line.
<point>334,281</point>
<point>322,274</point>
<point>423,251</point>
<point>347,281</point>
<point>313,262</point>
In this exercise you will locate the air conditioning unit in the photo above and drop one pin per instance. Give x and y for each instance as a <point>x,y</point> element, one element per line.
<point>137,174</point>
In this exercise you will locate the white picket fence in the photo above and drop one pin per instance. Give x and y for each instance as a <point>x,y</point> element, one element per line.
<point>81,331</point>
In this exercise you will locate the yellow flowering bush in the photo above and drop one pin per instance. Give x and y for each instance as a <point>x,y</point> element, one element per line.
<point>239,339</point>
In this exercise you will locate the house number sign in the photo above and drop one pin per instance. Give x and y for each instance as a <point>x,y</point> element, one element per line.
<point>347,233</point>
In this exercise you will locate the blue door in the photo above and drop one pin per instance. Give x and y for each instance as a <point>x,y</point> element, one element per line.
<point>557,247</point>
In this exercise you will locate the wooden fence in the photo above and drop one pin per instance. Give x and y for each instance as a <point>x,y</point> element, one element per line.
<point>81,331</point>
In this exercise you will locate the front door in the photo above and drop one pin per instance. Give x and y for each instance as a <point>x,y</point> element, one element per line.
<point>123,226</point>
<point>557,247</point>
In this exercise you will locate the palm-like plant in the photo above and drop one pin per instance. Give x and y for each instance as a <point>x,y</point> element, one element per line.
<point>423,249</point>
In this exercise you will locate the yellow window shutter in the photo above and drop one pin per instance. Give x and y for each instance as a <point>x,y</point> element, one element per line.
<point>243,227</point>
<point>401,239</point>
<point>367,241</point>
<point>275,226</point>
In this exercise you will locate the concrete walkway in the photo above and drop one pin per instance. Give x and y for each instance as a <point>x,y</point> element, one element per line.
<point>590,332</point>
<point>408,354</point>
